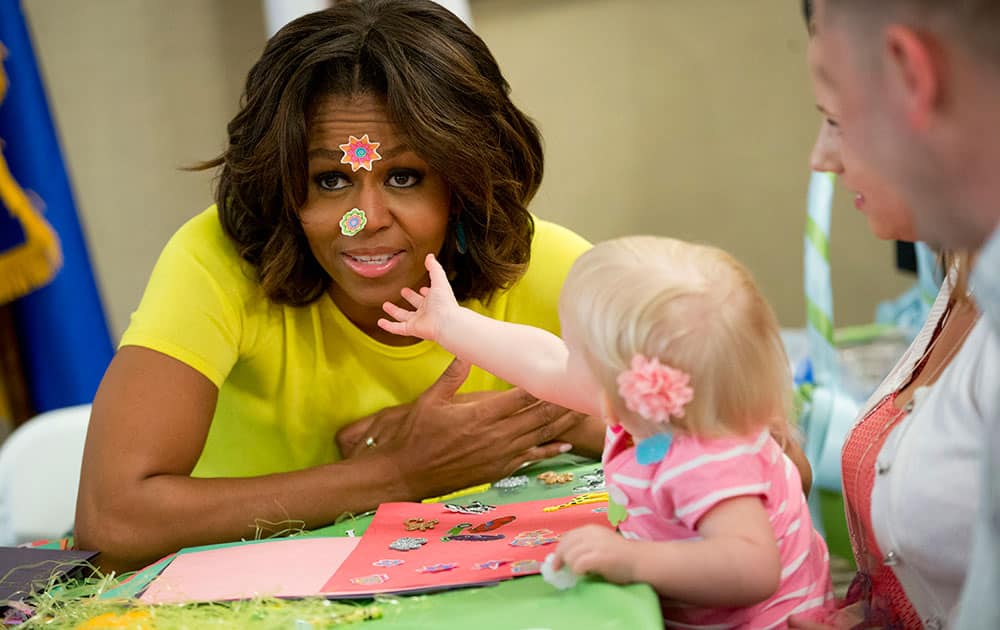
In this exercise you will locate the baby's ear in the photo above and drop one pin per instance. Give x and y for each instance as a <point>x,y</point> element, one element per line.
<point>608,411</point>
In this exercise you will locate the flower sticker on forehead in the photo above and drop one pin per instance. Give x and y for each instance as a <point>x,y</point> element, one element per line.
<point>360,153</point>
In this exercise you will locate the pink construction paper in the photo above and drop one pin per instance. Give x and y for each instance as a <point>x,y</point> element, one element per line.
<point>388,525</point>
<point>289,567</point>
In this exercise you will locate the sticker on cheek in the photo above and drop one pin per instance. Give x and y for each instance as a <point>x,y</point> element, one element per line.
<point>360,153</point>
<point>353,221</point>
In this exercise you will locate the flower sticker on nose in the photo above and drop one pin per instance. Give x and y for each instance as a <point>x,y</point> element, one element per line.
<point>353,221</point>
<point>360,153</point>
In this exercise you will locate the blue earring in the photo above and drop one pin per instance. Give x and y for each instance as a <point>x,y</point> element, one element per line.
<point>461,244</point>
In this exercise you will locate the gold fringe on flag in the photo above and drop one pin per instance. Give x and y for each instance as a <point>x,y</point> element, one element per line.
<point>33,263</point>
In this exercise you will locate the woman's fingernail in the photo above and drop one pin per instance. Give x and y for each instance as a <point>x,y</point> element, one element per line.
<point>565,448</point>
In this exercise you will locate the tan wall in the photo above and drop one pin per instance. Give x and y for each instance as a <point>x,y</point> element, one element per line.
<point>140,88</point>
<point>690,118</point>
<point>687,118</point>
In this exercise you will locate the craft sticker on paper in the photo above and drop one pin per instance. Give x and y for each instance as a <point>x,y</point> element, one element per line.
<point>482,557</point>
<point>510,484</point>
<point>580,499</point>
<point>388,563</point>
<point>592,482</point>
<point>371,580</point>
<point>476,507</point>
<point>491,564</point>
<point>407,543</point>
<point>535,538</point>
<point>493,523</point>
<point>456,530</point>
<point>413,524</point>
<point>552,478</point>
<point>360,153</point>
<point>438,568</point>
<point>525,567</point>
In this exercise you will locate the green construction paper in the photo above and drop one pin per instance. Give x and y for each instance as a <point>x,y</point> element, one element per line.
<point>526,602</point>
<point>132,585</point>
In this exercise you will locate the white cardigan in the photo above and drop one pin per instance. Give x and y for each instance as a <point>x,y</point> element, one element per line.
<point>924,502</point>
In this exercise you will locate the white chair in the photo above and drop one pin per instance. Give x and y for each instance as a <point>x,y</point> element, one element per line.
<point>39,473</point>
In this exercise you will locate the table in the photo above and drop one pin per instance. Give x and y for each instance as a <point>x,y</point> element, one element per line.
<point>520,603</point>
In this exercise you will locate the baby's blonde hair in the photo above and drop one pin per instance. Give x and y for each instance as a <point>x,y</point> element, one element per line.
<point>693,307</point>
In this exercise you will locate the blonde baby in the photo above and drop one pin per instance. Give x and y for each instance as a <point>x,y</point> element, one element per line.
<point>674,346</point>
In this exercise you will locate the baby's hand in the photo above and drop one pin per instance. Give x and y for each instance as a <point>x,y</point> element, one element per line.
<point>596,549</point>
<point>431,307</point>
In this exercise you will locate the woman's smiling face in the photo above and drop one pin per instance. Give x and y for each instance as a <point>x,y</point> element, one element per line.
<point>405,202</point>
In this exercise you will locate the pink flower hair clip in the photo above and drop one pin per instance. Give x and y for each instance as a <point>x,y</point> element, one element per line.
<point>654,390</point>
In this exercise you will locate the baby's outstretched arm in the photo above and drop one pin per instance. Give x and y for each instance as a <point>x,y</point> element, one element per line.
<point>531,358</point>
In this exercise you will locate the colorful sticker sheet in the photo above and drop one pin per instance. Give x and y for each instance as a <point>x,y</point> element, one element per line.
<point>469,543</point>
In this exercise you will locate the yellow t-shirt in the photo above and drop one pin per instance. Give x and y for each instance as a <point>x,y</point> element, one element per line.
<point>290,377</point>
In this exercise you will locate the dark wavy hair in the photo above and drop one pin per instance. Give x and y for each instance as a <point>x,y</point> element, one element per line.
<point>445,94</point>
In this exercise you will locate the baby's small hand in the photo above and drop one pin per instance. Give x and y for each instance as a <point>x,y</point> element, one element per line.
<point>595,549</point>
<point>431,306</point>
<point>562,579</point>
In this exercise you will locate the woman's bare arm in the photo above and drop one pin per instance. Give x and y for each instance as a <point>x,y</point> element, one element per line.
<point>137,501</point>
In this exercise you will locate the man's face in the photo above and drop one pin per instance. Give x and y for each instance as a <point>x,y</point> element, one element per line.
<point>922,152</point>
<point>844,67</point>
<point>888,215</point>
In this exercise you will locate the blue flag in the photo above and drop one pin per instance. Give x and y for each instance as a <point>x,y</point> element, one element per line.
<point>64,338</point>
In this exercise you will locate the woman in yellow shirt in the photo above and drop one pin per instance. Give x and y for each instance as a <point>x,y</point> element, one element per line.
<point>370,134</point>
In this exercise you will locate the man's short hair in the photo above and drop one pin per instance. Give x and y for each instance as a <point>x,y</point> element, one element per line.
<point>973,23</point>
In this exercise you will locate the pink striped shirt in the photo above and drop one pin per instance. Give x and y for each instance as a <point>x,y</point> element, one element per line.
<point>666,500</point>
